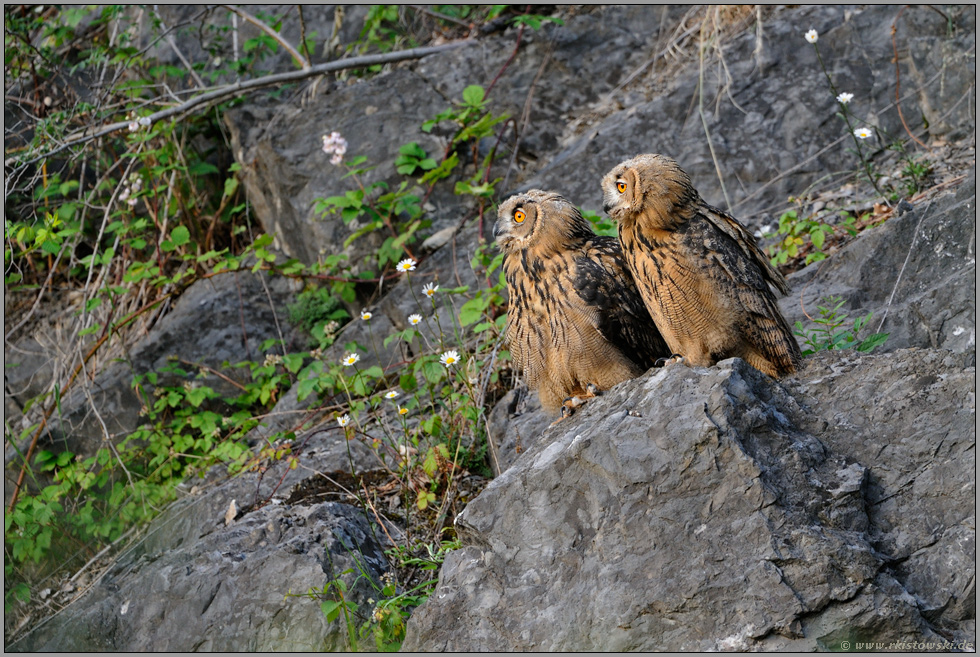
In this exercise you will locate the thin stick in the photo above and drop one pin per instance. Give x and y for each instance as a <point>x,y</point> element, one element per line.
<point>302,61</point>
<point>898,82</point>
<point>88,134</point>
<point>704,123</point>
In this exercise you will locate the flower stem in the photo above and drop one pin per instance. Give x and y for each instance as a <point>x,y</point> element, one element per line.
<point>868,167</point>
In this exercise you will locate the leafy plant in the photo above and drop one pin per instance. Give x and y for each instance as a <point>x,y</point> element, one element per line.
<point>131,220</point>
<point>828,333</point>
<point>385,622</point>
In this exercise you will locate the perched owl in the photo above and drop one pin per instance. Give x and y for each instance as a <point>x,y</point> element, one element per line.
<point>575,322</point>
<point>702,276</point>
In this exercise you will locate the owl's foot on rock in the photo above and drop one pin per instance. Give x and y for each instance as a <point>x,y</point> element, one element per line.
<point>664,362</point>
<point>572,402</point>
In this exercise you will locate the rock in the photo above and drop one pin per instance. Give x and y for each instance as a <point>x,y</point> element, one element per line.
<point>196,582</point>
<point>516,424</point>
<point>916,273</point>
<point>769,114</point>
<point>223,318</point>
<point>717,519</point>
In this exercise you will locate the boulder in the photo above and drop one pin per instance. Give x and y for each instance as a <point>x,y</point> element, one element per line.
<point>223,318</point>
<point>228,566</point>
<point>718,509</point>
<point>916,273</point>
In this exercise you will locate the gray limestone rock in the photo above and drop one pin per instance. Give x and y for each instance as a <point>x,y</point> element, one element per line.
<point>916,272</point>
<point>203,578</point>
<point>715,508</point>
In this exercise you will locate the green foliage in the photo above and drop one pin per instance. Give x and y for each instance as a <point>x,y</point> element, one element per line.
<point>802,234</point>
<point>384,624</point>
<point>134,218</point>
<point>413,157</point>
<point>831,330</point>
<point>318,312</point>
<point>601,224</point>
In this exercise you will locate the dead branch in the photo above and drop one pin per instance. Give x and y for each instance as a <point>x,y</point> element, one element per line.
<point>227,91</point>
<point>302,61</point>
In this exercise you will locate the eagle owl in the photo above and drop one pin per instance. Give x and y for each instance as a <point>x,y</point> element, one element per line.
<point>702,276</point>
<point>575,320</point>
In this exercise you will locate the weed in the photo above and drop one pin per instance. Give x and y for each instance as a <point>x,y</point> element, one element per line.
<point>828,333</point>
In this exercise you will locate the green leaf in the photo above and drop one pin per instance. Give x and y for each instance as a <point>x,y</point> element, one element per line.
<point>433,370</point>
<point>331,609</point>
<point>473,95</point>
<point>431,465</point>
<point>408,382</point>
<point>472,310</point>
<point>180,236</point>
<point>202,168</point>
<point>817,236</point>
<point>873,341</point>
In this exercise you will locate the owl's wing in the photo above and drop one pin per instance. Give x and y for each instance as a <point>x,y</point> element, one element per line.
<point>613,303</point>
<point>747,276</point>
<point>730,226</point>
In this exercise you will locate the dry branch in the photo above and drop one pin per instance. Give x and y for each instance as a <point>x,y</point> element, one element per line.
<point>221,93</point>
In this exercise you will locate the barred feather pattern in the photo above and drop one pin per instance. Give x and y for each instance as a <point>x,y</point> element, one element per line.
<point>575,315</point>
<point>699,271</point>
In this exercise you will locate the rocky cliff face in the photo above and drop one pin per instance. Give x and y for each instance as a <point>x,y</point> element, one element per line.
<point>716,509</point>
<point>689,509</point>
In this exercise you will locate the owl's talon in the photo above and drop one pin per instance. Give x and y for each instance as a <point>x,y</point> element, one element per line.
<point>673,358</point>
<point>592,390</point>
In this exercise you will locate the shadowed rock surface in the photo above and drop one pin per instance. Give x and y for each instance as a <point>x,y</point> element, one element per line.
<point>195,583</point>
<point>697,509</point>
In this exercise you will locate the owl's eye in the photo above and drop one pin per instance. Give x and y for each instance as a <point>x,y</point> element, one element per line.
<point>621,186</point>
<point>519,216</point>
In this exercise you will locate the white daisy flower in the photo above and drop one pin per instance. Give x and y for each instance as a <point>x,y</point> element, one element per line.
<point>391,394</point>
<point>811,36</point>
<point>844,98</point>
<point>350,359</point>
<point>414,319</point>
<point>134,126</point>
<point>343,421</point>
<point>863,133</point>
<point>402,410</point>
<point>406,265</point>
<point>429,289</point>
<point>144,121</point>
<point>365,315</point>
<point>449,358</point>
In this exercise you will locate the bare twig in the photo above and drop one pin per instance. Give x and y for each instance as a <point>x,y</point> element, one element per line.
<point>302,61</point>
<point>238,88</point>
<point>302,33</point>
<point>442,17</point>
<point>704,122</point>
<point>173,46</point>
<point>898,80</point>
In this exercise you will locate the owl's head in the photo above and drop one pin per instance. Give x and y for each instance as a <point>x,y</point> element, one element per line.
<point>652,185</point>
<point>539,220</point>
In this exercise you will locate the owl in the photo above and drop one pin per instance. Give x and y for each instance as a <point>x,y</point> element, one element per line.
<point>701,274</point>
<point>576,322</point>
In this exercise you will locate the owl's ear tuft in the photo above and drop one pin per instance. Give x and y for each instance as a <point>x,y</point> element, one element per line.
<point>633,191</point>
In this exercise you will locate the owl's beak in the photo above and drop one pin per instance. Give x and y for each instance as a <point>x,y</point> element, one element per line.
<point>498,229</point>
<point>606,207</point>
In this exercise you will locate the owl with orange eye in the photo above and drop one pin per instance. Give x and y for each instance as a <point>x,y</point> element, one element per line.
<point>699,271</point>
<point>576,322</point>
